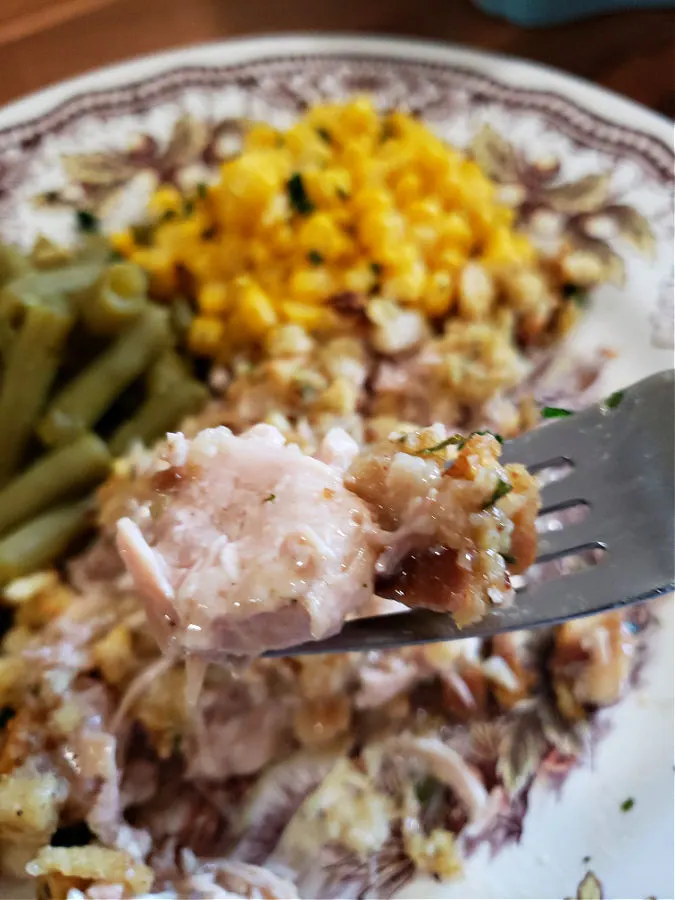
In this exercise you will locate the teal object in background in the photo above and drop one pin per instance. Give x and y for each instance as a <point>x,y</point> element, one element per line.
<point>533,13</point>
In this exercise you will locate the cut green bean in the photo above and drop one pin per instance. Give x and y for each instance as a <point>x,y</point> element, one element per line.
<point>82,402</point>
<point>165,372</point>
<point>47,282</point>
<point>12,263</point>
<point>66,471</point>
<point>32,362</point>
<point>160,413</point>
<point>115,300</point>
<point>40,542</point>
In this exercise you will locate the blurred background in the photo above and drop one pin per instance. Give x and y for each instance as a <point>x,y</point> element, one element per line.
<point>631,51</point>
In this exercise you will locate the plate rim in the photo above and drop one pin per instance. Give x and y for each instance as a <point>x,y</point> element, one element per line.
<point>24,111</point>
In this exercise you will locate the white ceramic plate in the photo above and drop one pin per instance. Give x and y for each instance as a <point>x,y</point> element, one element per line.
<point>101,142</point>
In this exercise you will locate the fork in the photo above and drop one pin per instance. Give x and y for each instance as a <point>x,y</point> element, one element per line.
<point>619,456</point>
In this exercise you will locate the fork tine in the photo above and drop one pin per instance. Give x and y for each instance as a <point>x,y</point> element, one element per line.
<point>568,540</point>
<point>563,493</point>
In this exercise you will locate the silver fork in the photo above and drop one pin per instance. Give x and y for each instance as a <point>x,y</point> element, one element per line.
<point>621,460</point>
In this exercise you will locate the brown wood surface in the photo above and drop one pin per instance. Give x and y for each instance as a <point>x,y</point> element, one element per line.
<point>44,41</point>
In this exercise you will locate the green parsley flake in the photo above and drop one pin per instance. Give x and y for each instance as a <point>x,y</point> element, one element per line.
<point>325,135</point>
<point>494,434</point>
<point>614,399</point>
<point>314,257</point>
<point>455,439</point>
<point>269,498</point>
<point>297,195</point>
<point>627,804</point>
<point>555,412</point>
<point>87,221</point>
<point>502,489</point>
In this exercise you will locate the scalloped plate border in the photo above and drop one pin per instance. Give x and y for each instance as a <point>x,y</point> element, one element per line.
<point>631,853</point>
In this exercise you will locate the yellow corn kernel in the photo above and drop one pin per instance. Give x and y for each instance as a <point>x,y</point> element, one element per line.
<point>214,299</point>
<point>330,187</point>
<point>382,234</point>
<point>407,188</point>
<point>315,284</point>
<point>320,234</point>
<point>205,335</point>
<point>455,231</point>
<point>309,316</point>
<point>359,118</point>
<point>406,285</point>
<point>449,259</point>
<point>261,136</point>
<point>159,264</point>
<point>438,295</point>
<point>503,246</point>
<point>254,313</point>
<point>360,278</point>
<point>427,211</point>
<point>123,242</point>
<point>165,199</point>
<point>371,200</point>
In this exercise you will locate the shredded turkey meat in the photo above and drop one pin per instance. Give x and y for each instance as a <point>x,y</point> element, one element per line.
<point>245,544</point>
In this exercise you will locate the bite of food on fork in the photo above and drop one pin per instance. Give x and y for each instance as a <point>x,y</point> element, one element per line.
<point>244,544</point>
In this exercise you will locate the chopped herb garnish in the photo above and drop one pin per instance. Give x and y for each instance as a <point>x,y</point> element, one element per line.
<point>586,860</point>
<point>493,433</point>
<point>202,190</point>
<point>511,560</point>
<point>189,207</point>
<point>298,195</point>
<point>614,399</point>
<point>502,489</point>
<point>209,233</point>
<point>425,789</point>
<point>627,804</point>
<point>115,256</point>
<point>555,412</point>
<point>314,257</point>
<point>342,194</point>
<point>269,498</point>
<point>387,131</point>
<point>376,268</point>
<point>454,439</point>
<point>167,215</point>
<point>575,293</point>
<point>6,713</point>
<point>325,135</point>
<point>87,221</point>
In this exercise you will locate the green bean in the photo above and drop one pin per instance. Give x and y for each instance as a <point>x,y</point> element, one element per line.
<point>84,400</point>
<point>182,315</point>
<point>115,299</point>
<point>41,541</point>
<point>47,282</point>
<point>66,471</point>
<point>12,263</point>
<point>165,372</point>
<point>160,413</point>
<point>32,363</point>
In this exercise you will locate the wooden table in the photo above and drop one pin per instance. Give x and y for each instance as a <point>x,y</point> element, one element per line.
<point>44,41</point>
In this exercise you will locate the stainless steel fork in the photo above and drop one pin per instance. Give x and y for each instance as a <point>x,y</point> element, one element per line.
<point>620,458</point>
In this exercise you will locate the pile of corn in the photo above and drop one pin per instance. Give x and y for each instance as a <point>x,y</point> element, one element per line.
<point>348,200</point>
